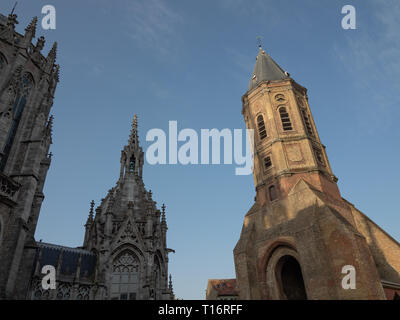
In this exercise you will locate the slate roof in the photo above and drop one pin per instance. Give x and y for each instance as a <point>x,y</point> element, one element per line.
<point>266,69</point>
<point>70,258</point>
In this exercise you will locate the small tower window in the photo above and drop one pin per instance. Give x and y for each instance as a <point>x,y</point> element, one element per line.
<point>261,127</point>
<point>272,193</point>
<point>267,163</point>
<point>307,122</point>
<point>132,164</point>
<point>286,123</point>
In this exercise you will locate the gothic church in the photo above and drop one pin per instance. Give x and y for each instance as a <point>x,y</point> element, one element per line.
<point>124,253</point>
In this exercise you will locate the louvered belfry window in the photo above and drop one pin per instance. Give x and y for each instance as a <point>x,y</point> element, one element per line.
<point>286,123</point>
<point>262,131</point>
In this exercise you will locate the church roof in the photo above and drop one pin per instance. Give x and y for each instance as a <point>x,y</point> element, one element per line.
<point>266,69</point>
<point>50,255</point>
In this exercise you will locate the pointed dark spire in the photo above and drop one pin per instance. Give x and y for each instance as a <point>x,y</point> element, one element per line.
<point>15,5</point>
<point>51,58</point>
<point>266,69</point>
<point>91,208</point>
<point>163,219</point>
<point>171,289</point>
<point>91,213</point>
<point>53,52</point>
<point>31,28</point>
<point>134,138</point>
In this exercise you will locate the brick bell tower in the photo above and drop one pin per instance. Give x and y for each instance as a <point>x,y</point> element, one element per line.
<point>300,233</point>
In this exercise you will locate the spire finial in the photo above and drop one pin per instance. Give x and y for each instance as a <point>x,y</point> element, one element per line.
<point>13,9</point>
<point>53,52</point>
<point>170,284</point>
<point>32,26</point>
<point>90,218</point>
<point>133,139</point>
<point>163,220</point>
<point>91,207</point>
<point>259,41</point>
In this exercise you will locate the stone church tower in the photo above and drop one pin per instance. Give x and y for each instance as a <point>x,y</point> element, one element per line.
<point>124,254</point>
<point>300,237</point>
<point>28,81</point>
<point>129,234</point>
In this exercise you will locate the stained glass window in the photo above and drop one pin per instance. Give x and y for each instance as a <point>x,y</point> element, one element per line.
<point>125,277</point>
<point>24,89</point>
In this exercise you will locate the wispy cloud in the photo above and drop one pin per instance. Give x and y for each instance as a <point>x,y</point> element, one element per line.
<point>153,24</point>
<point>251,7</point>
<point>242,62</point>
<point>372,57</point>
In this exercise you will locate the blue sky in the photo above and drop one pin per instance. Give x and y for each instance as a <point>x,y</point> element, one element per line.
<point>191,61</point>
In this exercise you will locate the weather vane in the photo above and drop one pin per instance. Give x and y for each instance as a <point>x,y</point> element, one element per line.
<point>259,41</point>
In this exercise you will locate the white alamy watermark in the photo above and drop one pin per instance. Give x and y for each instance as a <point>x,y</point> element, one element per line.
<point>49,20</point>
<point>49,278</point>
<point>349,280</point>
<point>349,20</point>
<point>196,151</point>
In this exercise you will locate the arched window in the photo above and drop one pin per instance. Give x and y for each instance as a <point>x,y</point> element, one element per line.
<point>125,277</point>
<point>272,193</point>
<point>286,124</point>
<point>132,163</point>
<point>24,89</point>
<point>307,122</point>
<point>261,127</point>
<point>267,163</point>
